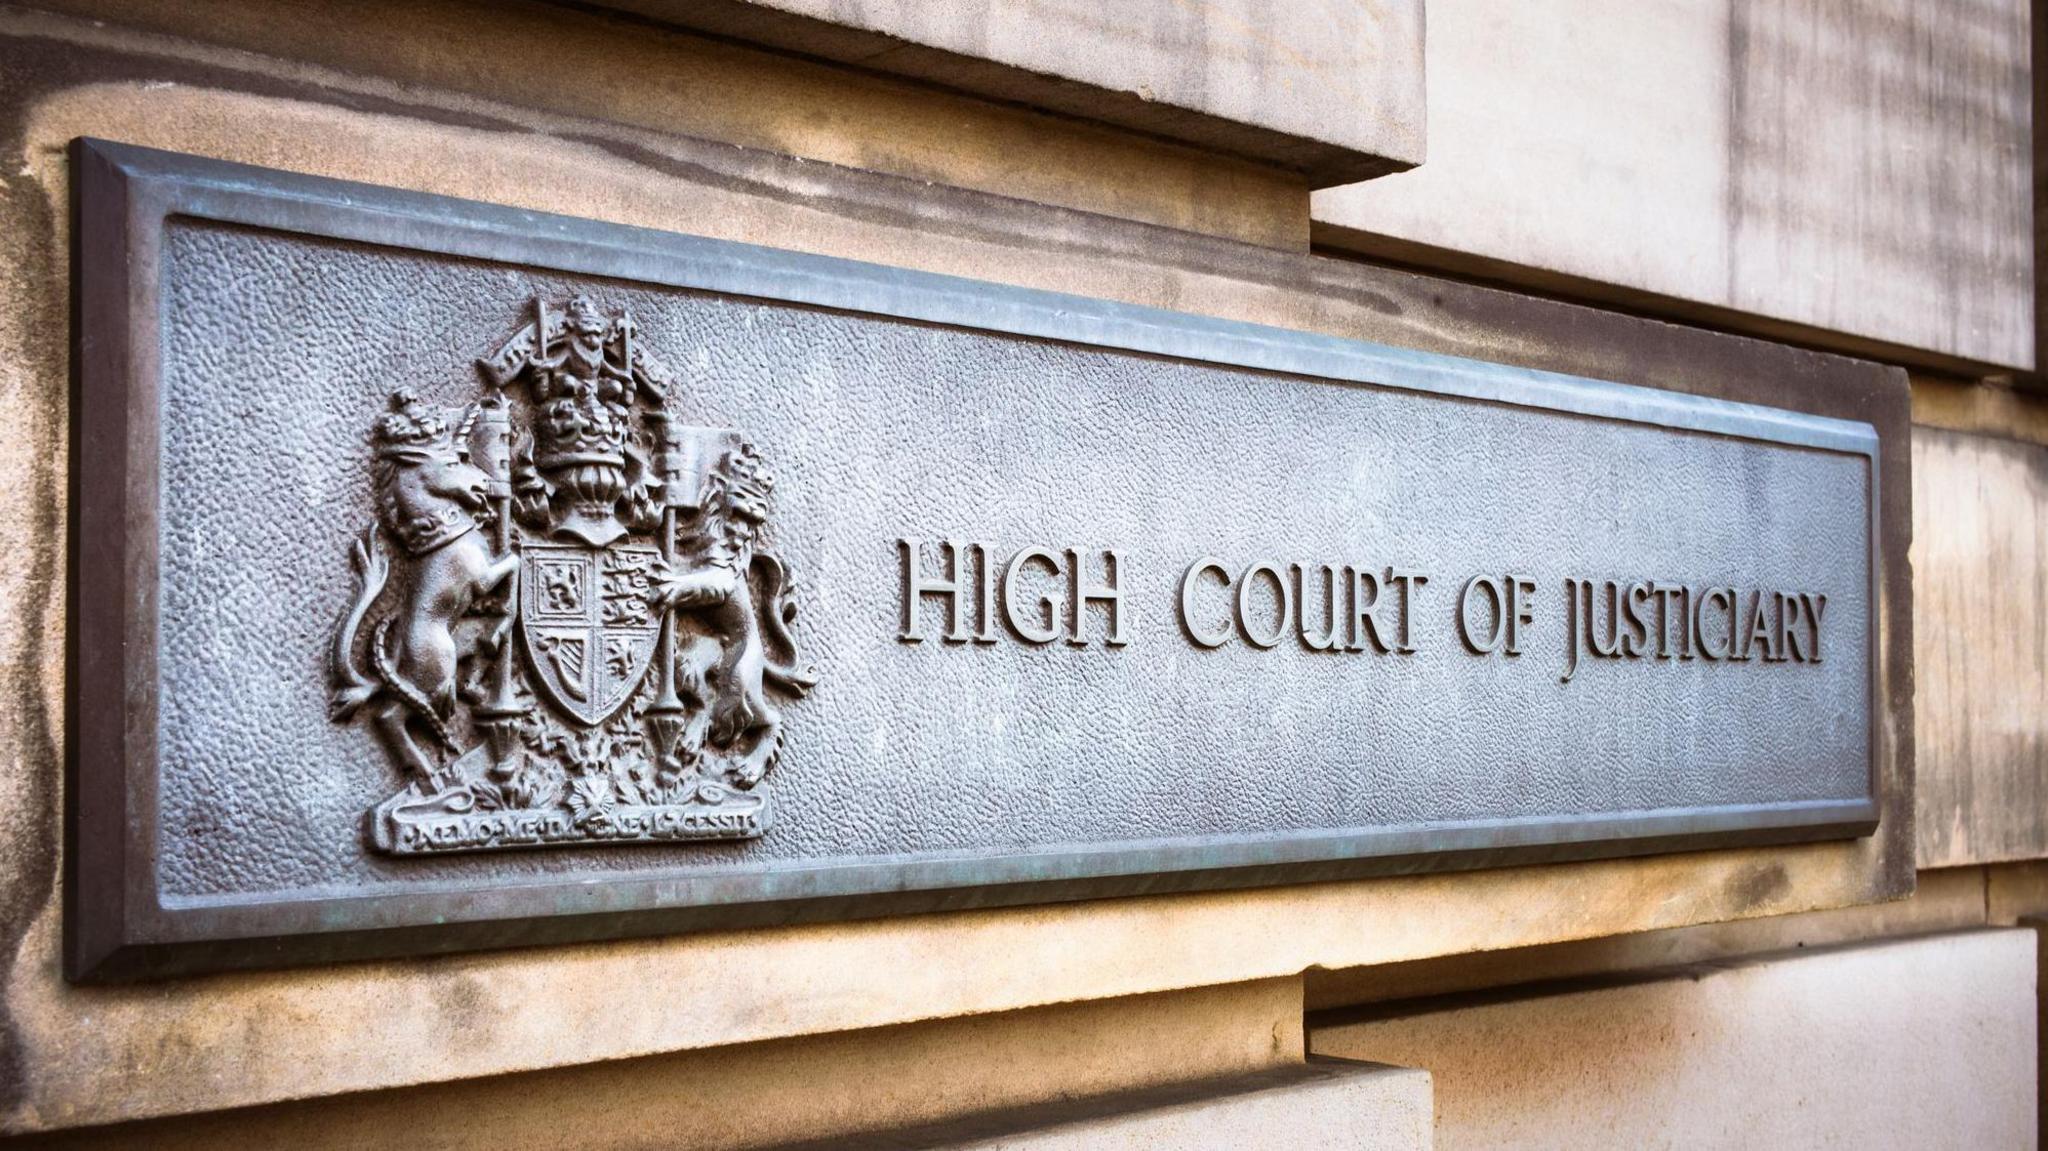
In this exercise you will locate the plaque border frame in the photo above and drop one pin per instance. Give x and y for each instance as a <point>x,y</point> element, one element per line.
<point>116,926</point>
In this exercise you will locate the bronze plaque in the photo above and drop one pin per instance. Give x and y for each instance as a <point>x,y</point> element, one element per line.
<point>451,576</point>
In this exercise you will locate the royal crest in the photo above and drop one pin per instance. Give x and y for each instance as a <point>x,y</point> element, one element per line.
<point>588,627</point>
<point>567,629</point>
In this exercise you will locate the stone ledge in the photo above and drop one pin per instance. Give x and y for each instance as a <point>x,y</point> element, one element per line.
<point>1924,1042</point>
<point>1326,1102</point>
<point>1276,86</point>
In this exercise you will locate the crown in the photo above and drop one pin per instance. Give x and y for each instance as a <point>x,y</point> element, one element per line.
<point>742,483</point>
<point>576,427</point>
<point>584,315</point>
<point>407,427</point>
<point>746,471</point>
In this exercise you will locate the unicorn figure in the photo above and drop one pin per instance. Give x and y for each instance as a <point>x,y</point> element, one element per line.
<point>428,495</point>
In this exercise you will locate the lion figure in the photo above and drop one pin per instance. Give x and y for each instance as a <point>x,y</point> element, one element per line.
<point>734,607</point>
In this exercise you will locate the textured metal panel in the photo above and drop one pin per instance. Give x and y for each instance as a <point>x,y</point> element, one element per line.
<point>264,318</point>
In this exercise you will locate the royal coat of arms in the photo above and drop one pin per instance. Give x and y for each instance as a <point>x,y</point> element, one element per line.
<point>567,627</point>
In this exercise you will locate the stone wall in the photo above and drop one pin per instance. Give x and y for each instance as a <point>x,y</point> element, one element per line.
<point>804,1033</point>
<point>1926,1042</point>
<point>1855,176</point>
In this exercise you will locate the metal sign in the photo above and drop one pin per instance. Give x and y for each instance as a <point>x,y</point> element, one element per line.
<point>455,576</point>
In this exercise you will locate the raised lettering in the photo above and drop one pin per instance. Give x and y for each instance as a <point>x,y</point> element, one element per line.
<point>1110,593</point>
<point>1520,610</point>
<point>1663,594</point>
<point>1759,628</point>
<point>1815,606</point>
<point>1365,607</point>
<point>987,594</point>
<point>1187,602</point>
<point>1496,631</point>
<point>1285,594</point>
<point>1738,645</point>
<point>1699,629</point>
<point>1778,627</point>
<point>1020,611</point>
<point>917,585</point>
<point>1410,582</point>
<point>1637,641</point>
<point>1612,648</point>
<point>1333,620</point>
<point>1571,630</point>
<point>1792,635</point>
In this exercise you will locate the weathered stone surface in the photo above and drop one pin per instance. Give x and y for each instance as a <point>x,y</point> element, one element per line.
<point>1333,91</point>
<point>1919,1043</point>
<point>1980,563</point>
<point>525,69</point>
<point>1858,174</point>
<point>1953,899</point>
<point>1982,408</point>
<point>1323,1105</point>
<point>821,1090</point>
<point>2039,926</point>
<point>241,1040</point>
<point>2015,891</point>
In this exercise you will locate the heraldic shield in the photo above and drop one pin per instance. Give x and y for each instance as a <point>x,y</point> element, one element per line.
<point>586,625</point>
<point>568,625</point>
